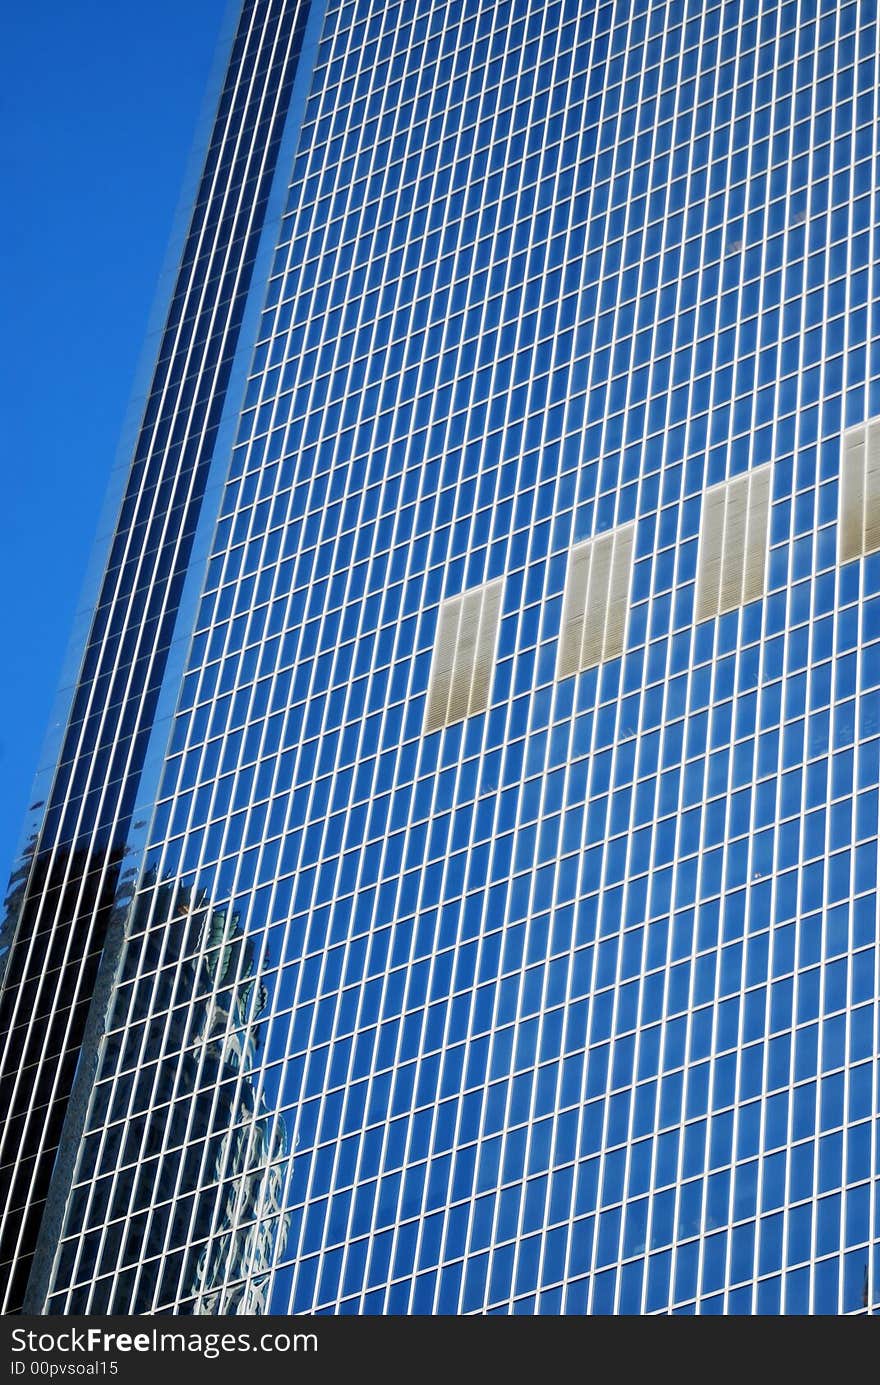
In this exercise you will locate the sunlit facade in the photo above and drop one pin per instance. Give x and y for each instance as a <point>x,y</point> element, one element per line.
<point>503,921</point>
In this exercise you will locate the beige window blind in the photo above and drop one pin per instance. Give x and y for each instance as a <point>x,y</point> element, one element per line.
<point>596,600</point>
<point>732,558</point>
<point>464,655</point>
<point>860,491</point>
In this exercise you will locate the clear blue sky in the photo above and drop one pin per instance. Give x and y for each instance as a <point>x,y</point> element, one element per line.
<point>99,104</point>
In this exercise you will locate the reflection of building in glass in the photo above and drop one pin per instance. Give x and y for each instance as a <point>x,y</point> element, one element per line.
<point>517,764</point>
<point>250,1163</point>
<point>196,1145</point>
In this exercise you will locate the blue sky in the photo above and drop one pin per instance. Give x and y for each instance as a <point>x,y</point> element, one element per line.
<point>99,104</point>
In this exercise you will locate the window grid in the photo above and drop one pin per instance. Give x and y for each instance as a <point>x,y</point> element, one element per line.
<point>520,1047</point>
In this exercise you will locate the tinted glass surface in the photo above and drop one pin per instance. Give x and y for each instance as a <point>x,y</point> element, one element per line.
<point>569,1006</point>
<point>63,892</point>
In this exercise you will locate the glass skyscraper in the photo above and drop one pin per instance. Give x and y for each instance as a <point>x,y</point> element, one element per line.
<point>456,887</point>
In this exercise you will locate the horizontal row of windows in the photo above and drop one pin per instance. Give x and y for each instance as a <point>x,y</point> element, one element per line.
<point>512,632</point>
<point>642,1285</point>
<point>652,976</point>
<point>279,519</point>
<point>514,1171</point>
<point>632,208</point>
<point>459,1286</point>
<point>734,1048</point>
<point>695,341</point>
<point>626,370</point>
<point>836,1225</point>
<point>349,972</point>
<point>579,320</point>
<point>523,406</point>
<point>406,134</point>
<point>392,580</point>
<point>838,1221</point>
<point>357,1006</point>
<point>590,252</point>
<point>410,37</point>
<point>535,149</point>
<point>676,59</point>
<point>531,154</point>
<point>689,812</point>
<point>690,808</point>
<point>380,630</point>
<point>623,25</point>
<point>555,957</point>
